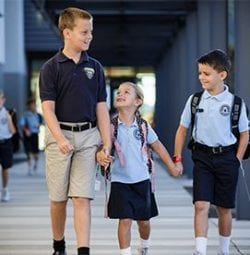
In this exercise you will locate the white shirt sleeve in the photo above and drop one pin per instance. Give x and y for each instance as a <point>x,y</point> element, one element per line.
<point>243,121</point>
<point>152,136</point>
<point>186,114</point>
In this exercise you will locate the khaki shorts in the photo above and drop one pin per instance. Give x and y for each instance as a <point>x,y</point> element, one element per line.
<point>72,174</point>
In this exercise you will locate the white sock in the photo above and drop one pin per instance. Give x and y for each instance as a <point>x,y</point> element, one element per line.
<point>145,243</point>
<point>224,243</point>
<point>201,245</point>
<point>126,251</point>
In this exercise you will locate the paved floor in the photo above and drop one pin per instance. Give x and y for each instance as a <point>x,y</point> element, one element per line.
<point>25,223</point>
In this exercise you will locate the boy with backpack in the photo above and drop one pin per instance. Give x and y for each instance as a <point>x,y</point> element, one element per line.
<point>216,153</point>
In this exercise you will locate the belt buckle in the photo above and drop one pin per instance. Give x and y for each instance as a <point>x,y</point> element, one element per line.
<point>90,125</point>
<point>217,150</point>
<point>76,128</point>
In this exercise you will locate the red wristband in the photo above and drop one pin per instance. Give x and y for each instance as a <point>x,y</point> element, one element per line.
<point>177,158</point>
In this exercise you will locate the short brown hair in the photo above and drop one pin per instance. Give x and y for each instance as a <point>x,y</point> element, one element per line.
<point>217,59</point>
<point>69,15</point>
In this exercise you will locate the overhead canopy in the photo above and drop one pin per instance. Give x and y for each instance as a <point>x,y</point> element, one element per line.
<point>127,32</point>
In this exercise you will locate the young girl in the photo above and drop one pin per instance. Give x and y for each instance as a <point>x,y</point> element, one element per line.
<point>131,196</point>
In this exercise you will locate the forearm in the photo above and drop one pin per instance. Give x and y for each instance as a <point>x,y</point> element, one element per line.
<point>103,121</point>
<point>180,140</point>
<point>11,125</point>
<point>51,121</point>
<point>159,148</point>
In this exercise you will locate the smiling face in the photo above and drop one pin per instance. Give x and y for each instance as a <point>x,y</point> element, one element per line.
<point>211,79</point>
<point>80,36</point>
<point>128,97</point>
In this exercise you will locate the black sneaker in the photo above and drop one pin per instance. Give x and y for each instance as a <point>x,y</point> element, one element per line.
<point>59,253</point>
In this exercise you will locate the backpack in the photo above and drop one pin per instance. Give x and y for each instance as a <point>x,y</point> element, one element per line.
<point>143,127</point>
<point>235,116</point>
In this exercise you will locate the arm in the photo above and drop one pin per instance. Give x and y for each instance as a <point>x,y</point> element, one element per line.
<point>24,126</point>
<point>180,138</point>
<point>243,142</point>
<point>103,121</point>
<point>11,124</point>
<point>48,108</point>
<point>159,148</point>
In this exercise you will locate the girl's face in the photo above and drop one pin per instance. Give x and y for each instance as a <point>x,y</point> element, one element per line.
<point>80,37</point>
<point>210,78</point>
<point>126,97</point>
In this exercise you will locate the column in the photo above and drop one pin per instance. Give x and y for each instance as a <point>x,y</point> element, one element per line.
<point>242,88</point>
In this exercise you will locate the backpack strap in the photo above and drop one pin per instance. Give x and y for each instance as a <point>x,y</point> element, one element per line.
<point>115,145</point>
<point>235,115</point>
<point>194,104</point>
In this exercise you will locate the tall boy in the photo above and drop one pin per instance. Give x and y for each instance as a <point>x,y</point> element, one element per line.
<point>73,94</point>
<point>214,152</point>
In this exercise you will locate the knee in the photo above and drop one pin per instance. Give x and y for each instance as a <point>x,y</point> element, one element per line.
<point>223,211</point>
<point>80,202</point>
<point>125,223</point>
<point>143,224</point>
<point>201,207</point>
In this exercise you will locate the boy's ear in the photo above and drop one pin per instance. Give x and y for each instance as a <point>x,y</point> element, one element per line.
<point>66,32</point>
<point>223,75</point>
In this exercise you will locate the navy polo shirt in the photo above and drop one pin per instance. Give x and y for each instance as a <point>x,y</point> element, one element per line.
<point>75,88</point>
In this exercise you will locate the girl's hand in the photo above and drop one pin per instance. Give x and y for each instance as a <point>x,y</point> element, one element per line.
<point>103,158</point>
<point>176,170</point>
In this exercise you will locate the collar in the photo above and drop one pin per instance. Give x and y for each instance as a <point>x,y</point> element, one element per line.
<point>60,57</point>
<point>134,124</point>
<point>220,96</point>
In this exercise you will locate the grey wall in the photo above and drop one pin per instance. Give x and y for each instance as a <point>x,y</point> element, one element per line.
<point>242,88</point>
<point>14,78</point>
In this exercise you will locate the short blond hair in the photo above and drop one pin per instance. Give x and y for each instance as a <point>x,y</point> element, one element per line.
<point>68,17</point>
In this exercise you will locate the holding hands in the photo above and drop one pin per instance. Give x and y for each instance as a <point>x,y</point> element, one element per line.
<point>103,157</point>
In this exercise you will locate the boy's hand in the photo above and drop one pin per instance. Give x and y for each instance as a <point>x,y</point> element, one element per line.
<point>176,170</point>
<point>65,146</point>
<point>103,158</point>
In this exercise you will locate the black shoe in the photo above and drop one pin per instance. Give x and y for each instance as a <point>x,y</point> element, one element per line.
<point>59,253</point>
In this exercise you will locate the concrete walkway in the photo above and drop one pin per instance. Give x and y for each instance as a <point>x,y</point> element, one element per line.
<point>25,222</point>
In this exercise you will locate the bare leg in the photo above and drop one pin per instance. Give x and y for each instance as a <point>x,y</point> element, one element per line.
<point>124,233</point>
<point>82,220</point>
<point>224,221</point>
<point>201,218</point>
<point>201,226</point>
<point>5,177</point>
<point>58,219</point>
<point>144,229</point>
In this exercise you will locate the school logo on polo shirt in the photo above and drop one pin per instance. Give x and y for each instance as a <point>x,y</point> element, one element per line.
<point>89,72</point>
<point>137,134</point>
<point>225,110</point>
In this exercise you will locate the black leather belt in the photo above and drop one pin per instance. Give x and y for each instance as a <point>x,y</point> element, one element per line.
<point>213,150</point>
<point>2,141</point>
<point>78,128</point>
